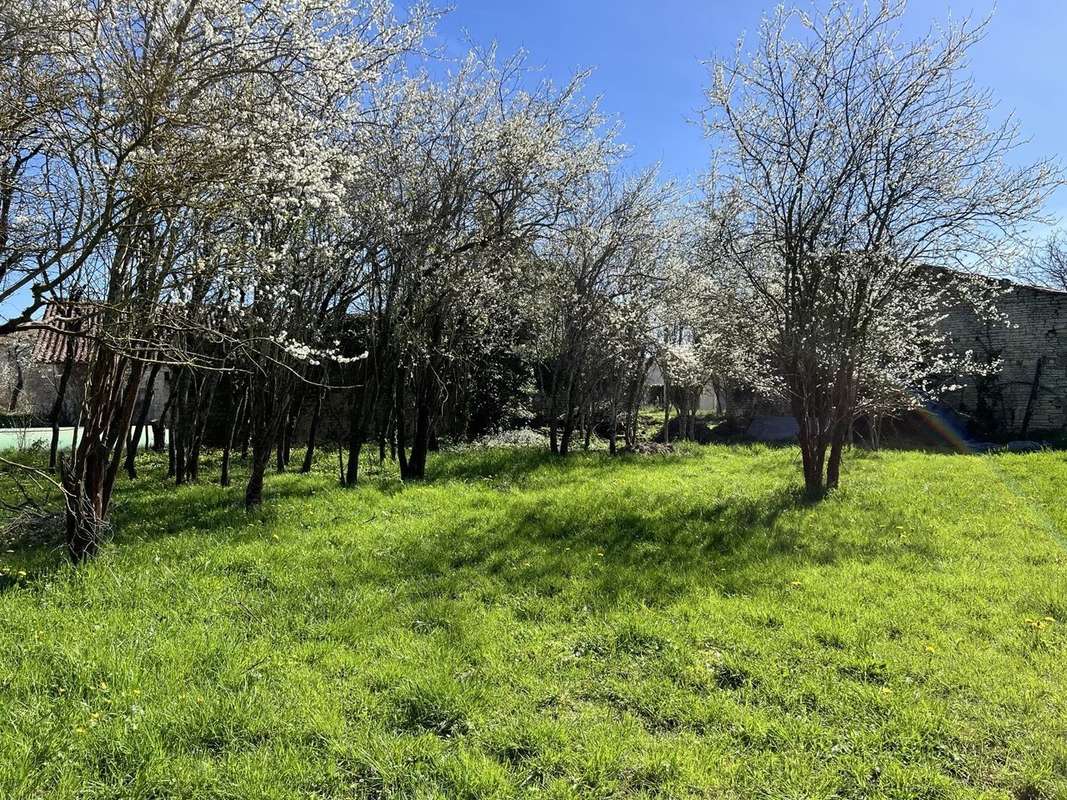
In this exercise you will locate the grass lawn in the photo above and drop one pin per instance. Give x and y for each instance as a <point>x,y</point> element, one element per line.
<point>658,626</point>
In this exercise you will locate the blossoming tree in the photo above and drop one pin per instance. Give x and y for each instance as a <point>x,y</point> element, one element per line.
<point>851,160</point>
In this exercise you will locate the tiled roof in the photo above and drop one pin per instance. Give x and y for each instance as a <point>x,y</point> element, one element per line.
<point>51,345</point>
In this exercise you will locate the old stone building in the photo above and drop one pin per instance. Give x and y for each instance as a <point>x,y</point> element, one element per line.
<point>1028,395</point>
<point>33,361</point>
<point>708,401</point>
<point>1025,398</point>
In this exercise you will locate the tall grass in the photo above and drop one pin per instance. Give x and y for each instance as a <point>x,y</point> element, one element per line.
<point>667,626</point>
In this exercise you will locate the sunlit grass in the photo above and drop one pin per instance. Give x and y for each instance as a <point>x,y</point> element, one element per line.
<point>680,626</point>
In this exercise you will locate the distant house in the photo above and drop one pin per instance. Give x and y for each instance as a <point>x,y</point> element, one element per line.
<point>1028,395</point>
<point>32,362</point>
<point>709,402</point>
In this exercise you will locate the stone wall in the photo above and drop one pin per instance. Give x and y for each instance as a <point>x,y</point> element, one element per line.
<point>1033,345</point>
<point>708,403</point>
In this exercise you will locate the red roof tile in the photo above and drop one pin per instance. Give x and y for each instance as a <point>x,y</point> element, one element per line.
<point>51,345</point>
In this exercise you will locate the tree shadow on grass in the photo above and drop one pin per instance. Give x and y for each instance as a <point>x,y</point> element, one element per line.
<point>516,464</point>
<point>537,540</point>
<point>650,551</point>
<point>650,555</point>
<point>151,507</point>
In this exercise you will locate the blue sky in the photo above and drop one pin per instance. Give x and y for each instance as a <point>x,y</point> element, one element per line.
<point>647,58</point>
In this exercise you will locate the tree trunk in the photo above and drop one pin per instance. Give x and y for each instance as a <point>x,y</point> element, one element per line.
<point>224,472</point>
<point>57,406</point>
<point>566,433</point>
<point>666,412</point>
<point>256,470</point>
<point>205,398</point>
<point>53,449</point>
<point>286,430</point>
<point>383,437</point>
<point>179,429</point>
<point>17,389</point>
<point>612,434</point>
<point>89,478</point>
<point>356,430</point>
<point>159,436</point>
<point>290,429</point>
<point>811,433</point>
<point>401,433</point>
<point>313,431</point>
<point>340,463</point>
<point>172,455</point>
<point>833,464</point>
<point>142,418</point>
<point>265,418</point>
<point>420,442</point>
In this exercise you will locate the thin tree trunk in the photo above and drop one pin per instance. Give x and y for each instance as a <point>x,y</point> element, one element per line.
<point>172,455</point>
<point>384,436</point>
<point>159,436</point>
<point>356,430</point>
<point>666,412</point>
<point>285,432</point>
<point>224,474</point>
<point>290,429</point>
<point>313,431</point>
<point>612,435</point>
<point>246,425</point>
<point>401,445</point>
<point>180,424</point>
<point>57,406</point>
<point>340,463</point>
<point>205,398</point>
<point>19,384</point>
<point>134,441</point>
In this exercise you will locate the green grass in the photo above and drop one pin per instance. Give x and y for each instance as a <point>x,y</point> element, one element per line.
<point>678,626</point>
